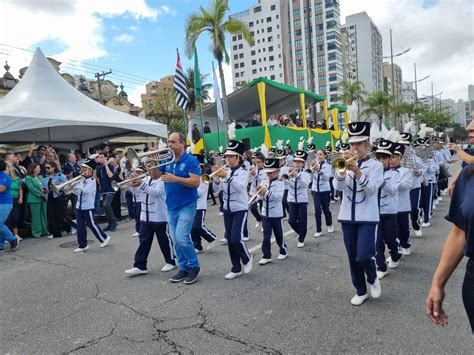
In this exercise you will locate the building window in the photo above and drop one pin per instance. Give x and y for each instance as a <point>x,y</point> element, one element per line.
<point>272,77</point>
<point>319,37</point>
<point>241,55</point>
<point>320,47</point>
<point>254,71</point>
<point>272,8</point>
<point>269,29</point>
<point>297,22</point>
<point>251,24</point>
<point>241,46</point>
<point>236,65</point>
<point>236,75</point>
<point>254,62</point>
<point>270,39</point>
<point>252,52</point>
<point>234,38</point>
<point>236,56</point>
<point>257,9</point>
<point>269,19</point>
<point>234,47</point>
<point>330,14</point>
<point>318,16</point>
<point>296,12</point>
<point>242,73</point>
<point>318,5</point>
<point>322,88</point>
<point>322,78</point>
<point>298,42</point>
<point>272,68</point>
<point>242,64</point>
<point>321,68</point>
<point>300,83</point>
<point>320,27</point>
<point>270,49</point>
<point>299,62</point>
<point>298,52</point>
<point>298,33</point>
<point>271,58</point>
<point>300,72</point>
<point>331,46</point>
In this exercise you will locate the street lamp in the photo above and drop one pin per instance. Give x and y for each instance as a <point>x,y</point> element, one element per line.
<point>416,91</point>
<point>433,96</point>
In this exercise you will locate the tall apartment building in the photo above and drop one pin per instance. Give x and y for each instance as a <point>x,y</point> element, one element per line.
<point>408,93</point>
<point>303,48</point>
<point>470,99</point>
<point>396,83</point>
<point>366,42</point>
<point>265,57</point>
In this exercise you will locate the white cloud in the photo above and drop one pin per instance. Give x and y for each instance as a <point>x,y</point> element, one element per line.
<point>124,38</point>
<point>167,10</point>
<point>74,26</point>
<point>440,34</point>
<point>134,94</point>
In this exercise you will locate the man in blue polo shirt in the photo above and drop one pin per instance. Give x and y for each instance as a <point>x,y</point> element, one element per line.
<point>182,178</point>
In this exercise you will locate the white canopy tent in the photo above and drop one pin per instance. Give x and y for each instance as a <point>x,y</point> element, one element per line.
<point>45,108</point>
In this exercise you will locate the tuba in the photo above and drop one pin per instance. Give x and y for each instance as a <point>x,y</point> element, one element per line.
<point>152,159</point>
<point>67,187</point>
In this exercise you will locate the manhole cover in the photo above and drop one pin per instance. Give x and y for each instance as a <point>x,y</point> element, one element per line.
<point>73,244</point>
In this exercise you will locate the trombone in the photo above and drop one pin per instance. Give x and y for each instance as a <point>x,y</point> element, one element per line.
<point>151,159</point>
<point>256,196</point>
<point>127,184</point>
<point>340,164</point>
<point>209,178</point>
<point>67,187</point>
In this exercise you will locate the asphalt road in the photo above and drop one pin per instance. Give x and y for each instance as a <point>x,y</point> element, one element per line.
<point>53,301</point>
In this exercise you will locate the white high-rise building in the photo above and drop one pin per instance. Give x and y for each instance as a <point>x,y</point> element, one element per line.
<point>408,93</point>
<point>265,57</point>
<point>366,42</point>
<point>456,110</point>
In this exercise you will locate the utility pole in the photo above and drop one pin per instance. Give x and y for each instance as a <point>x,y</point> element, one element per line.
<point>395,121</point>
<point>99,83</point>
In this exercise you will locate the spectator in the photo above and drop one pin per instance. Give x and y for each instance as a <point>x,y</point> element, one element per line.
<point>207,129</point>
<point>195,134</point>
<point>105,174</point>
<point>14,219</point>
<point>56,202</point>
<point>36,200</point>
<point>5,207</point>
<point>79,157</point>
<point>272,121</point>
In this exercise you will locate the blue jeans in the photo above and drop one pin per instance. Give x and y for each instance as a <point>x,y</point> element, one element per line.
<point>180,222</point>
<point>5,233</point>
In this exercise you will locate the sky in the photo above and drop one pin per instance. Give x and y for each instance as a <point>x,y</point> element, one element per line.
<point>138,39</point>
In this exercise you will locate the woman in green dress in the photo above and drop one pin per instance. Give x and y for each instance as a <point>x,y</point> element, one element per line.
<point>36,201</point>
<point>14,219</point>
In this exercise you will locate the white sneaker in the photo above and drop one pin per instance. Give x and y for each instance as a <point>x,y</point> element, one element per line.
<point>375,289</point>
<point>282,256</point>
<point>197,251</point>
<point>330,229</point>
<point>258,225</point>
<point>248,266</point>
<point>73,231</point>
<point>168,267</point>
<point>440,199</point>
<point>245,239</point>
<point>425,224</point>
<point>220,214</point>
<point>434,206</point>
<point>50,236</point>
<point>317,234</point>
<point>392,264</point>
<point>232,275</point>
<point>381,274</point>
<point>136,271</point>
<point>300,245</point>
<point>418,233</point>
<point>105,242</point>
<point>261,229</point>
<point>18,237</point>
<point>136,234</point>
<point>223,240</point>
<point>211,245</point>
<point>358,300</point>
<point>406,251</point>
<point>264,261</point>
<point>80,250</point>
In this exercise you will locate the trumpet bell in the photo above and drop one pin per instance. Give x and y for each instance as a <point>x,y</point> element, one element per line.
<point>206,178</point>
<point>339,165</point>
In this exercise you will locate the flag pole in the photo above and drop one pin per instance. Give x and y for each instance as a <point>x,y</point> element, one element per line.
<point>202,126</point>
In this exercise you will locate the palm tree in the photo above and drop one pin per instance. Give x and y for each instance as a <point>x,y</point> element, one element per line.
<point>378,103</point>
<point>212,21</point>
<point>352,91</point>
<point>403,108</point>
<point>205,88</point>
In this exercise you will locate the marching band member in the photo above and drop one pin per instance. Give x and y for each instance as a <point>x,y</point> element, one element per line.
<point>427,192</point>
<point>321,192</point>
<point>271,194</point>
<point>284,170</point>
<point>289,154</point>
<point>153,220</point>
<point>298,196</point>
<point>234,186</point>
<point>405,182</point>
<point>388,202</point>
<point>417,177</point>
<point>137,195</point>
<point>328,150</point>
<point>85,193</point>
<point>359,212</point>
<point>256,176</point>
<point>199,230</point>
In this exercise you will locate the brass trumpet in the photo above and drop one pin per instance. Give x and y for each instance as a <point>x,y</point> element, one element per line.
<point>256,196</point>
<point>151,159</point>
<point>340,164</point>
<point>126,184</point>
<point>67,187</point>
<point>209,178</point>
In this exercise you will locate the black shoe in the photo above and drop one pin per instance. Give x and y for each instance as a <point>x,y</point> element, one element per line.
<point>191,277</point>
<point>14,245</point>
<point>180,276</point>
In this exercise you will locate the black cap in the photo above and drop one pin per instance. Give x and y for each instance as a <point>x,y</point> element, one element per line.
<point>300,155</point>
<point>310,147</point>
<point>280,152</point>
<point>272,149</point>
<point>235,148</point>
<point>358,131</point>
<point>418,142</point>
<point>141,168</point>
<point>90,163</point>
<point>399,149</point>
<point>405,138</point>
<point>271,164</point>
<point>385,147</point>
<point>345,146</point>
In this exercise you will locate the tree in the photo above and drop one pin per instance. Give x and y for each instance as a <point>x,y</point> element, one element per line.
<point>212,21</point>
<point>378,103</point>
<point>459,133</point>
<point>205,88</point>
<point>165,110</point>
<point>352,91</point>
<point>439,121</point>
<point>403,108</point>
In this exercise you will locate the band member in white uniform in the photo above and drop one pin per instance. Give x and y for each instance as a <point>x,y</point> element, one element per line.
<point>153,220</point>
<point>85,193</point>
<point>234,183</point>
<point>404,178</point>
<point>388,203</point>
<point>321,192</point>
<point>271,194</point>
<point>199,230</point>
<point>359,212</point>
<point>284,170</point>
<point>137,199</point>
<point>427,192</point>
<point>256,176</point>
<point>298,196</point>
